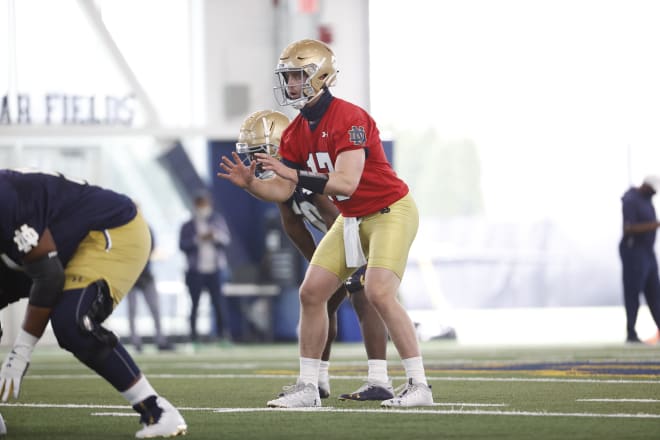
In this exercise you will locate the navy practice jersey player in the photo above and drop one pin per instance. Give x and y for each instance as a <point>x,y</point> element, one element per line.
<point>261,132</point>
<point>81,248</point>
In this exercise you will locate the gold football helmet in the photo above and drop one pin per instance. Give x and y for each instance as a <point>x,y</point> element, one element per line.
<point>261,132</point>
<point>310,60</point>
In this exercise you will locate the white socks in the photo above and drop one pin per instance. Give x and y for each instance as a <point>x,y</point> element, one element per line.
<point>324,374</point>
<point>415,369</point>
<point>140,391</point>
<point>309,370</point>
<point>377,371</point>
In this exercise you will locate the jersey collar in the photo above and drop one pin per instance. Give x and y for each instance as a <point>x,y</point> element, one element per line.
<point>314,113</point>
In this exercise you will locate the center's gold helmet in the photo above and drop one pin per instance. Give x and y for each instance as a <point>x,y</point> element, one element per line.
<point>315,60</point>
<point>261,132</point>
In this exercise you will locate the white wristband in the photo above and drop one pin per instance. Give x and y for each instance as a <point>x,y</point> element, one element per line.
<point>25,343</point>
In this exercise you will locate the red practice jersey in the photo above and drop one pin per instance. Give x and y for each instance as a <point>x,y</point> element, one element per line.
<point>343,127</point>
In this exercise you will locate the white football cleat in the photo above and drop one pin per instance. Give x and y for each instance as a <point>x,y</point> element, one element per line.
<point>414,394</point>
<point>300,395</point>
<point>159,418</point>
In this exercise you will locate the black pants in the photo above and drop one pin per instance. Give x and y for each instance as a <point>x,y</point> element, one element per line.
<point>197,282</point>
<point>640,275</point>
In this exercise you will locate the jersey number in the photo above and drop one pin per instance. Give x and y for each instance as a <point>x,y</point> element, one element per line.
<point>324,163</point>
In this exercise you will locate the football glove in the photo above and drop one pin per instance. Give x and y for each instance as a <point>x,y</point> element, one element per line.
<point>16,364</point>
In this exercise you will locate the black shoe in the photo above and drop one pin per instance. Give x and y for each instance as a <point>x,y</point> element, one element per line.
<point>370,391</point>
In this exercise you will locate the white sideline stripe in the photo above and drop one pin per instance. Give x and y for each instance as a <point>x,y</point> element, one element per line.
<point>114,414</point>
<point>92,406</point>
<point>339,410</point>
<point>475,412</point>
<point>619,400</point>
<point>361,377</point>
<point>469,404</point>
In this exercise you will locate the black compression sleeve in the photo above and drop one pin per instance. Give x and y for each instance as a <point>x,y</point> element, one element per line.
<point>314,182</point>
<point>47,276</point>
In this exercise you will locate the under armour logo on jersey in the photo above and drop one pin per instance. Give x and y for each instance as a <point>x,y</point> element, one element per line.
<point>26,238</point>
<point>357,135</point>
<point>324,134</point>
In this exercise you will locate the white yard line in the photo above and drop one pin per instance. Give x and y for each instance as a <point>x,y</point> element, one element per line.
<point>346,410</point>
<point>360,377</point>
<point>619,400</point>
<point>475,412</point>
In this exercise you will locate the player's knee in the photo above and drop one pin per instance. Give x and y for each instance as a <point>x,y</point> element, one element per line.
<point>306,297</point>
<point>99,306</point>
<point>310,296</point>
<point>66,331</point>
<point>77,320</point>
<point>376,295</point>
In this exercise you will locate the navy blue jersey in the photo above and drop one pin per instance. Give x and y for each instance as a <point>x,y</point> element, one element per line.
<point>34,201</point>
<point>302,203</point>
<point>638,208</point>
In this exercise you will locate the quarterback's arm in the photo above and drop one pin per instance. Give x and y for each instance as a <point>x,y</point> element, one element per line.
<point>343,181</point>
<point>295,229</point>
<point>275,189</point>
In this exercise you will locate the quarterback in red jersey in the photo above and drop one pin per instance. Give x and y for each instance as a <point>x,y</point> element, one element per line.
<point>332,147</point>
<point>345,127</point>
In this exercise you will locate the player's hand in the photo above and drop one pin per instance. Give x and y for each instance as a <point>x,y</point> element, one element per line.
<point>270,163</point>
<point>236,171</point>
<point>13,369</point>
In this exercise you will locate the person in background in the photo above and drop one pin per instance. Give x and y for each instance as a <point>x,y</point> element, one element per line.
<point>203,239</point>
<point>638,259</point>
<point>79,249</point>
<point>146,284</point>
<point>261,132</point>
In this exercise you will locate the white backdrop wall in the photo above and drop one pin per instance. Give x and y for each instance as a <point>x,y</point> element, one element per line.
<point>242,44</point>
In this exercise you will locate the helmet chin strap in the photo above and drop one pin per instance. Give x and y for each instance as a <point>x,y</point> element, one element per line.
<point>309,101</point>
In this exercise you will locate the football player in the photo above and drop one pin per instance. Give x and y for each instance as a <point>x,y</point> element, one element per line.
<point>80,249</point>
<point>261,133</point>
<point>338,153</point>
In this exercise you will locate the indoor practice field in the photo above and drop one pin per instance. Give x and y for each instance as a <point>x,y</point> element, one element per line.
<point>514,392</point>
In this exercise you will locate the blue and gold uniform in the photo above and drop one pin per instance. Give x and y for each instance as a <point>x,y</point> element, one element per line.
<point>99,233</point>
<point>81,248</point>
<point>103,244</point>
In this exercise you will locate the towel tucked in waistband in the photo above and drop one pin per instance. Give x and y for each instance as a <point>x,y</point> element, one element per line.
<point>352,245</point>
